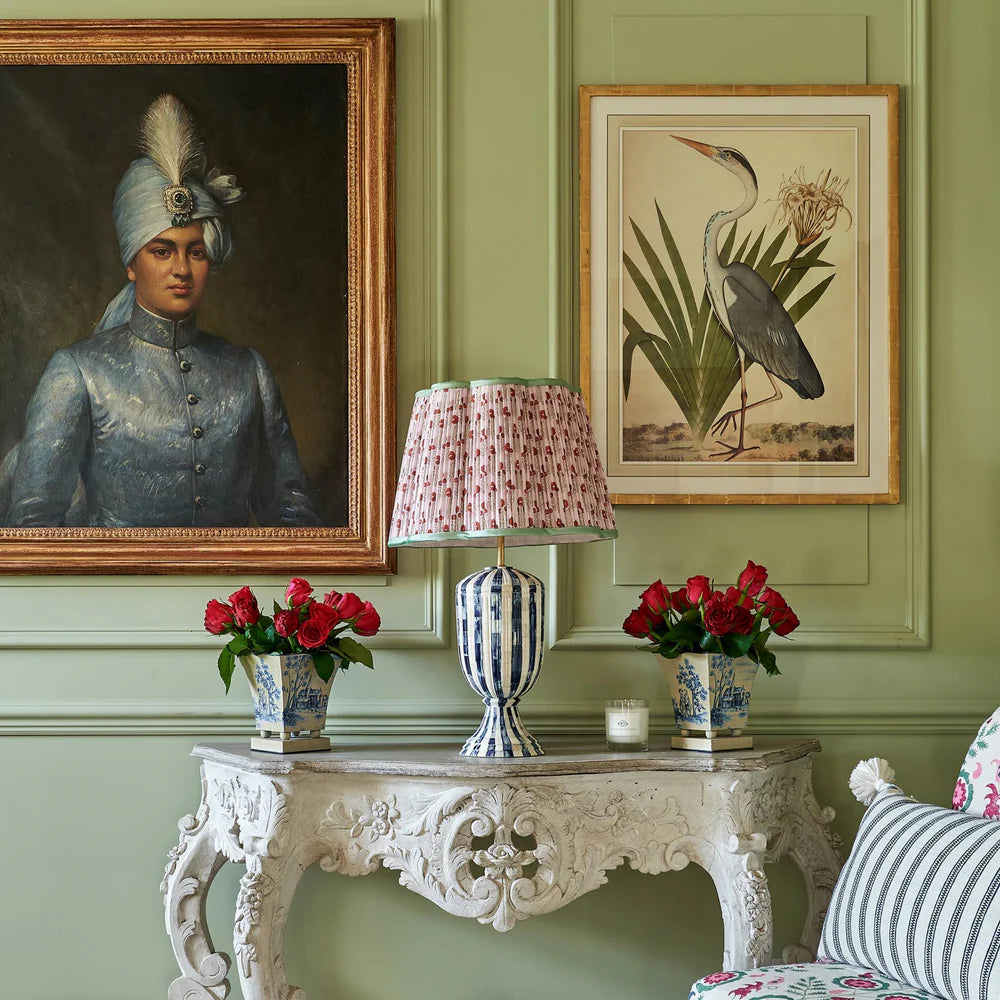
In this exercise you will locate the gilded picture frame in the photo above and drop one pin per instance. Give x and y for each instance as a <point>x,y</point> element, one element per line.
<point>739,292</point>
<point>303,114</point>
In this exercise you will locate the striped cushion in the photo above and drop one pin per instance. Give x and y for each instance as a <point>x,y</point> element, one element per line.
<point>919,899</point>
<point>977,790</point>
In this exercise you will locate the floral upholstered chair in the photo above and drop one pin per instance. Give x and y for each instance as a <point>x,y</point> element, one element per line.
<point>978,780</point>
<point>915,914</point>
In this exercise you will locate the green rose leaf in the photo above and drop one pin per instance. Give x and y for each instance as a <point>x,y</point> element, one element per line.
<point>684,631</point>
<point>257,640</point>
<point>227,663</point>
<point>325,664</point>
<point>709,643</point>
<point>238,645</point>
<point>355,652</point>
<point>766,659</point>
<point>736,645</point>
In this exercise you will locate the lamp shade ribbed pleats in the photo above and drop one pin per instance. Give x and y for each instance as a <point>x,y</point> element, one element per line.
<point>507,457</point>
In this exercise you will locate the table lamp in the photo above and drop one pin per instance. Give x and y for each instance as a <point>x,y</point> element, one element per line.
<point>504,461</point>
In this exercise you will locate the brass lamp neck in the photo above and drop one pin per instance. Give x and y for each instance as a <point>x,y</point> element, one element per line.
<point>500,552</point>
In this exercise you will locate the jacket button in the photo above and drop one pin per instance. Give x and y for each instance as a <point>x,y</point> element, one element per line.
<point>185,366</point>
<point>199,469</point>
<point>192,398</point>
<point>197,432</point>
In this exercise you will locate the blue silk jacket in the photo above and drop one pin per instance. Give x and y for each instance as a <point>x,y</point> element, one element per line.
<point>167,426</point>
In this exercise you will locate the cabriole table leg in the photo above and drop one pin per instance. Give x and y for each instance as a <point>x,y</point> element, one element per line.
<point>191,867</point>
<point>262,905</point>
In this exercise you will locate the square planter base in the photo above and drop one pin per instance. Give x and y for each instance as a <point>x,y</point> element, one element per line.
<point>710,743</point>
<point>297,744</point>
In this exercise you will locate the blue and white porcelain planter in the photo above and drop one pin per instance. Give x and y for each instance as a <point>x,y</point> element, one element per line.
<point>711,696</point>
<point>289,702</point>
<point>500,614</point>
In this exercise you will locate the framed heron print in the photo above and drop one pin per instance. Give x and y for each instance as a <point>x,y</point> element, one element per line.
<point>198,295</point>
<point>739,292</point>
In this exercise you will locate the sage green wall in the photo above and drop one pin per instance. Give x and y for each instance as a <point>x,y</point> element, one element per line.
<point>486,105</point>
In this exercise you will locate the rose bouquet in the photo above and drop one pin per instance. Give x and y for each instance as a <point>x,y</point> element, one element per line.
<point>304,625</point>
<point>699,619</point>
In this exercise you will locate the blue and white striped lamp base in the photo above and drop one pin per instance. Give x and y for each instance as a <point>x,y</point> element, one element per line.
<point>500,614</point>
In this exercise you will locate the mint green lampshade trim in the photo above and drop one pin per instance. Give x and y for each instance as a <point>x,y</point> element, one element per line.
<point>476,383</point>
<point>512,536</point>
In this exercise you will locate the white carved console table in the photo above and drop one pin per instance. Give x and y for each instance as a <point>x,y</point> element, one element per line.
<point>496,840</point>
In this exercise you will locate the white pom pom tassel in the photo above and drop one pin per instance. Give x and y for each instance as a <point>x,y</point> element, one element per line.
<point>869,778</point>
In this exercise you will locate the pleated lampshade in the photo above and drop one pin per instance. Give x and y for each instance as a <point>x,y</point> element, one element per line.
<point>500,457</point>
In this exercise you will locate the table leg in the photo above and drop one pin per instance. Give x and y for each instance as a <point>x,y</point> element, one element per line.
<point>814,849</point>
<point>262,906</point>
<point>191,867</point>
<point>745,900</point>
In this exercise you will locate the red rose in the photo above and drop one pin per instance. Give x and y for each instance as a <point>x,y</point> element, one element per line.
<point>315,630</point>
<point>635,625</point>
<point>772,601</point>
<point>735,596</point>
<point>654,620</point>
<point>331,598</point>
<point>787,622</point>
<point>297,592</point>
<point>656,597</point>
<point>724,617</point>
<point>245,607</point>
<point>286,622</point>
<point>313,634</point>
<point>698,589</point>
<point>368,622</point>
<point>324,614</point>
<point>218,617</point>
<point>752,578</point>
<point>679,601</point>
<point>349,606</point>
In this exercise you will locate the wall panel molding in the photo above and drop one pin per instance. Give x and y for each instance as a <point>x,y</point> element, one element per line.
<point>913,630</point>
<point>400,720</point>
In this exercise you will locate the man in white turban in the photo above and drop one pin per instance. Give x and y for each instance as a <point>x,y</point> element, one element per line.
<point>164,424</point>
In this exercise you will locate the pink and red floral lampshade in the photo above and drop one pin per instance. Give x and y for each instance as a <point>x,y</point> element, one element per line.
<point>510,457</point>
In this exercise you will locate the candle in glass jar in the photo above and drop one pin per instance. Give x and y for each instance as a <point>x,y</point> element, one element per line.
<point>626,723</point>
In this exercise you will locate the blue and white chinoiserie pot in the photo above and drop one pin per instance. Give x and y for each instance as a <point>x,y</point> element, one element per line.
<point>289,697</point>
<point>500,614</point>
<point>710,691</point>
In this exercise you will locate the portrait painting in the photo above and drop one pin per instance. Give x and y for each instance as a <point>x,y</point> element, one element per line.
<point>739,318</point>
<point>197,292</point>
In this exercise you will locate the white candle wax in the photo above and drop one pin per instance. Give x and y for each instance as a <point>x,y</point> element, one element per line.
<point>627,723</point>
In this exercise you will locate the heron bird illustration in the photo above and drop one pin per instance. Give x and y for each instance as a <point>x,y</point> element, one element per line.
<point>749,311</point>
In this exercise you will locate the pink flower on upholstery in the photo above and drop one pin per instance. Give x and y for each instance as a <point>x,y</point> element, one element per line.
<point>992,810</point>
<point>719,977</point>
<point>861,983</point>
<point>960,797</point>
<point>745,991</point>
